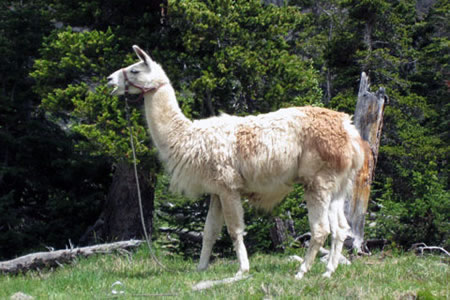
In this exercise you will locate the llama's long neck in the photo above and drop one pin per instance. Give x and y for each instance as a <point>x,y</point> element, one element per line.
<point>164,117</point>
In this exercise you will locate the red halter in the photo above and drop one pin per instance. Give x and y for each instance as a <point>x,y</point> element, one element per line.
<point>143,89</point>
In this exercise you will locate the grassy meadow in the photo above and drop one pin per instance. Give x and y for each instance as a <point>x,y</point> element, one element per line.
<point>384,275</point>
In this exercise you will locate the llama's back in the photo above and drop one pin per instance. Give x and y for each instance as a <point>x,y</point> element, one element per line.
<point>312,136</point>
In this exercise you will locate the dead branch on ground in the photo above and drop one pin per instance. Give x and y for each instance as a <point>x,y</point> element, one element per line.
<point>59,257</point>
<point>207,284</point>
<point>420,247</point>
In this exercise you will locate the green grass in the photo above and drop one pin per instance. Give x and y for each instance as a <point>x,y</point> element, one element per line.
<point>381,276</point>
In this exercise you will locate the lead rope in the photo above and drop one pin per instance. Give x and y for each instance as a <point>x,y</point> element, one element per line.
<point>149,243</point>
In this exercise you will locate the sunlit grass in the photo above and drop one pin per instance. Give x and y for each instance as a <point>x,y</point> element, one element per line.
<point>381,276</point>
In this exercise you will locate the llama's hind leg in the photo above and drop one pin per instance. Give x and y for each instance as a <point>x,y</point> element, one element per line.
<point>234,219</point>
<point>213,226</point>
<point>317,203</point>
<point>339,229</point>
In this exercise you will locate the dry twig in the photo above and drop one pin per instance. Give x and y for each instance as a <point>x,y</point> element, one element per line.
<point>203,285</point>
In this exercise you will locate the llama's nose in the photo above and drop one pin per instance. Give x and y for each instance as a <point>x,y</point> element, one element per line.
<point>109,78</point>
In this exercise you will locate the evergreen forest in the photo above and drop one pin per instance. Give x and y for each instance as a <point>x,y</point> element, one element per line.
<point>64,141</point>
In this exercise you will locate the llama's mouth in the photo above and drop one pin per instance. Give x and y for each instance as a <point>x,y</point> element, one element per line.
<point>113,92</point>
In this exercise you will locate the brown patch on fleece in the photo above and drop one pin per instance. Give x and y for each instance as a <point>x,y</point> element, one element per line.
<point>327,135</point>
<point>246,141</point>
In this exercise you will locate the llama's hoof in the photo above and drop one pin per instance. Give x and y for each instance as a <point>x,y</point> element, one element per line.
<point>241,273</point>
<point>295,258</point>
<point>327,274</point>
<point>299,275</point>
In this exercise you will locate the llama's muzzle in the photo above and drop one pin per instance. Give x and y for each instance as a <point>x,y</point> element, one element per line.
<point>115,89</point>
<point>112,85</point>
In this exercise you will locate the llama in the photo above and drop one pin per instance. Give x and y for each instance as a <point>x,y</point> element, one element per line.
<point>259,158</point>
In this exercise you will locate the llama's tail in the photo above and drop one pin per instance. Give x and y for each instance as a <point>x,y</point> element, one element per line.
<point>358,146</point>
<point>358,174</point>
<point>358,186</point>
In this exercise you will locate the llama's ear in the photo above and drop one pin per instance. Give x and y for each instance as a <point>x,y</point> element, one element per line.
<point>142,55</point>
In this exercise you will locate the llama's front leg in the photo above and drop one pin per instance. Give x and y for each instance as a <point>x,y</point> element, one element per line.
<point>213,226</point>
<point>320,228</point>
<point>234,219</point>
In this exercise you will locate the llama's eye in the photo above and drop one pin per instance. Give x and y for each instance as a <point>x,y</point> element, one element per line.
<point>134,71</point>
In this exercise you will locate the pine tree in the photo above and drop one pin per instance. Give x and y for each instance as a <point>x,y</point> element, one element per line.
<point>46,186</point>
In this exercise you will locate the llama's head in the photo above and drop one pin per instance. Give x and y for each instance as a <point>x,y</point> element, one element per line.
<point>139,78</point>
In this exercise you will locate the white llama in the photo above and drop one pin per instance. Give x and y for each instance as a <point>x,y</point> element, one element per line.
<point>256,157</point>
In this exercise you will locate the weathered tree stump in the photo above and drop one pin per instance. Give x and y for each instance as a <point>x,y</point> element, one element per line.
<point>368,119</point>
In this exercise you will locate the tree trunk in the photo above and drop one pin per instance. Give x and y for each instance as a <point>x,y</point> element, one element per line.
<point>368,119</point>
<point>280,231</point>
<point>120,219</point>
<point>208,104</point>
<point>278,234</point>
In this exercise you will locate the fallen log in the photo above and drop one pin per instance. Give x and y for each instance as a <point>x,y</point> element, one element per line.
<point>40,260</point>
